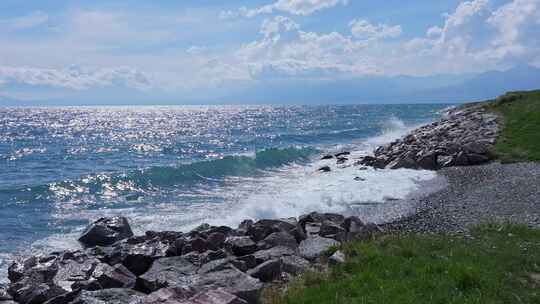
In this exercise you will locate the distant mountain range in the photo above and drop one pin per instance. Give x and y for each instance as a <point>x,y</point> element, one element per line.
<point>368,89</point>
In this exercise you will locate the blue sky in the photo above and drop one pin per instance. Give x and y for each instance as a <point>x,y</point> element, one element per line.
<point>199,50</point>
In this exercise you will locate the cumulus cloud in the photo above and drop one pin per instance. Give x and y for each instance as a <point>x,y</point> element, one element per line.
<point>363,29</point>
<point>76,78</point>
<point>293,7</point>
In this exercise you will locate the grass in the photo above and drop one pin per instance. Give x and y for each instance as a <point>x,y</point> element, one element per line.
<point>500,264</point>
<point>520,137</point>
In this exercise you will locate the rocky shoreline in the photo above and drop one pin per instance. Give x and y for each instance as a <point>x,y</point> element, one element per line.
<point>220,264</point>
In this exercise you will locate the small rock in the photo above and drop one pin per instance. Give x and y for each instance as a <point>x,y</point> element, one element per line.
<point>312,247</point>
<point>240,245</point>
<point>325,169</point>
<point>267,271</point>
<point>337,258</point>
<point>294,264</point>
<point>109,296</point>
<point>117,276</point>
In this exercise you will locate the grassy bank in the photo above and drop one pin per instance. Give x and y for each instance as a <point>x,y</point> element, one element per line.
<point>520,115</point>
<point>500,264</point>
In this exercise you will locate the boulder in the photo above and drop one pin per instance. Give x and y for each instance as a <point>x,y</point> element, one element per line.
<point>197,244</point>
<point>313,247</point>
<point>294,264</point>
<point>105,232</point>
<point>216,296</point>
<point>136,257</point>
<point>331,230</point>
<point>216,239</point>
<point>231,280</point>
<point>166,272</point>
<point>267,271</point>
<point>278,239</point>
<point>109,296</point>
<point>262,256</point>
<point>240,245</point>
<point>170,295</point>
<point>117,276</point>
<point>37,293</point>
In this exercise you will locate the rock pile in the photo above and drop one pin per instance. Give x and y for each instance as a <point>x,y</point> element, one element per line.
<point>463,137</point>
<point>208,265</point>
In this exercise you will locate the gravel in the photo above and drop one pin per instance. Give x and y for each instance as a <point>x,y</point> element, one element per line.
<point>505,193</point>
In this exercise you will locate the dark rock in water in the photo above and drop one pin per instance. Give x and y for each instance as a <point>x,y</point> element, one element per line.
<point>428,161</point>
<point>327,157</point>
<point>262,256</point>
<point>278,239</point>
<point>170,295</point>
<point>117,276</point>
<point>216,296</point>
<point>240,245</point>
<point>106,231</point>
<point>167,272</point>
<point>341,154</point>
<point>109,296</point>
<point>341,160</point>
<point>267,271</point>
<point>359,179</point>
<point>325,169</point>
<point>313,247</point>
<point>294,264</point>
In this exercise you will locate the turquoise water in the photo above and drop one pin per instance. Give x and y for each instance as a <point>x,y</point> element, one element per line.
<point>172,167</point>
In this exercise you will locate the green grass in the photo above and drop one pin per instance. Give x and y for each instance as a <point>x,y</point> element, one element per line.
<point>520,115</point>
<point>501,264</point>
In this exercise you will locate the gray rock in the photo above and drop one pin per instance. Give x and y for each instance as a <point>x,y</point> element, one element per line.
<point>117,276</point>
<point>279,239</point>
<point>312,247</point>
<point>294,264</point>
<point>262,256</point>
<point>337,258</point>
<point>170,295</point>
<point>325,169</point>
<point>105,232</point>
<point>267,271</point>
<point>216,239</point>
<point>167,272</point>
<point>240,245</point>
<point>109,296</point>
<point>216,296</point>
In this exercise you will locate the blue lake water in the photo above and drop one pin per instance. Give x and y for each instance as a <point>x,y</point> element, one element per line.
<point>170,168</point>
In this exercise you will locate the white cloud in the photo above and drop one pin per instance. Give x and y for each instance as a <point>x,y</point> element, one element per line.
<point>31,20</point>
<point>76,78</point>
<point>363,29</point>
<point>293,7</point>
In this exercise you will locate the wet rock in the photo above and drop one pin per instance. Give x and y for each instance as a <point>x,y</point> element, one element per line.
<point>167,237</point>
<point>267,271</point>
<point>341,160</point>
<point>216,296</point>
<point>325,169</point>
<point>294,264</point>
<point>105,232</point>
<point>327,157</point>
<point>279,239</point>
<point>248,260</point>
<point>109,296</point>
<point>240,245</point>
<point>166,272</point>
<point>117,276</point>
<point>316,217</point>
<point>74,273</point>
<point>313,247</point>
<point>341,154</point>
<point>136,257</point>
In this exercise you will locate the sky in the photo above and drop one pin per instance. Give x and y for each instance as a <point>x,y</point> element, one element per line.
<point>199,50</point>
